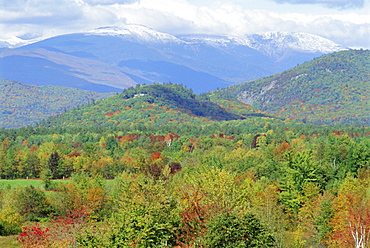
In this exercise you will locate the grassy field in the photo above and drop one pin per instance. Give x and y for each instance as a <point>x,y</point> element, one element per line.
<point>37,183</point>
<point>11,184</point>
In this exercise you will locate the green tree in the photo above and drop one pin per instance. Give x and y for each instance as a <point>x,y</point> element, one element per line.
<point>237,230</point>
<point>46,177</point>
<point>32,203</point>
<point>10,218</point>
<point>53,164</point>
<point>145,214</point>
<point>112,145</point>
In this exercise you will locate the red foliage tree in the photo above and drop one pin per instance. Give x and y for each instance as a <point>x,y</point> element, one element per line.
<point>194,218</point>
<point>61,232</point>
<point>34,236</point>
<point>357,231</point>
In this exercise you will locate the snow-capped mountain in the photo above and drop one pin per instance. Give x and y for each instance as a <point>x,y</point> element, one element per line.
<point>121,56</point>
<point>269,43</point>
<point>133,32</point>
<point>273,44</point>
<point>278,44</point>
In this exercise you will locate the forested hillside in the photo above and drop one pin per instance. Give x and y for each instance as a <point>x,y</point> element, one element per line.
<point>22,105</point>
<point>331,89</point>
<point>273,183</point>
<point>159,166</point>
<point>157,105</point>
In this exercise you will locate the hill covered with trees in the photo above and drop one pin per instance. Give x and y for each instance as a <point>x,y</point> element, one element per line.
<point>153,105</point>
<point>331,89</point>
<point>23,105</point>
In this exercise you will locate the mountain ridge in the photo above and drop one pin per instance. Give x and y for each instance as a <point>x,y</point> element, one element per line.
<point>333,88</point>
<point>304,41</point>
<point>213,62</point>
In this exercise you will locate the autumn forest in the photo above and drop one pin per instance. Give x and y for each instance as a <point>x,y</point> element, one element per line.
<point>159,166</point>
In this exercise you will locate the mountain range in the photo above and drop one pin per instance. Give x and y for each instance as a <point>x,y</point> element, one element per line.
<point>331,89</point>
<point>110,59</point>
<point>292,83</point>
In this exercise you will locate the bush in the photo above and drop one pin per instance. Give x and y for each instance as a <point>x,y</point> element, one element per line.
<point>10,219</point>
<point>233,230</point>
<point>32,203</point>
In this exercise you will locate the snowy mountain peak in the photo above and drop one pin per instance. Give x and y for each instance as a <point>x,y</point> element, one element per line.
<point>276,45</point>
<point>138,33</point>
<point>216,40</point>
<point>272,43</point>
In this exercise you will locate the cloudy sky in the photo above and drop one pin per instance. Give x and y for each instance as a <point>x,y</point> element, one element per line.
<point>346,22</point>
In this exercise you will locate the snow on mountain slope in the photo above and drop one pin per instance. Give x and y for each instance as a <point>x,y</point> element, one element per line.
<point>215,40</point>
<point>276,44</point>
<point>143,55</point>
<point>272,44</point>
<point>136,33</point>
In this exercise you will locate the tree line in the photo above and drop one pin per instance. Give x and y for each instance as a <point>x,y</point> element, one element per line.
<point>274,185</point>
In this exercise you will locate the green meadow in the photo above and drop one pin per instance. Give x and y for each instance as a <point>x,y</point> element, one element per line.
<point>37,183</point>
<point>16,183</point>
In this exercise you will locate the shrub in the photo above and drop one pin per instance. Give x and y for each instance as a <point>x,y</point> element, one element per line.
<point>234,230</point>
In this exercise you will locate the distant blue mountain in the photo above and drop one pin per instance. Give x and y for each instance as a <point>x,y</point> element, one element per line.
<point>38,71</point>
<point>163,71</point>
<point>114,58</point>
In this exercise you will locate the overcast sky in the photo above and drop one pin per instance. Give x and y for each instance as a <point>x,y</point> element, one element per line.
<point>346,22</point>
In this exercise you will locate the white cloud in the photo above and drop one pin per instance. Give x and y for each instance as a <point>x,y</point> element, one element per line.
<point>46,18</point>
<point>179,16</point>
<point>340,4</point>
<point>39,11</point>
<point>108,2</point>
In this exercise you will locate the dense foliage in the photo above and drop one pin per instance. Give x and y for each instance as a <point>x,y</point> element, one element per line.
<point>152,105</point>
<point>288,187</point>
<point>23,105</point>
<point>250,181</point>
<point>331,89</point>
